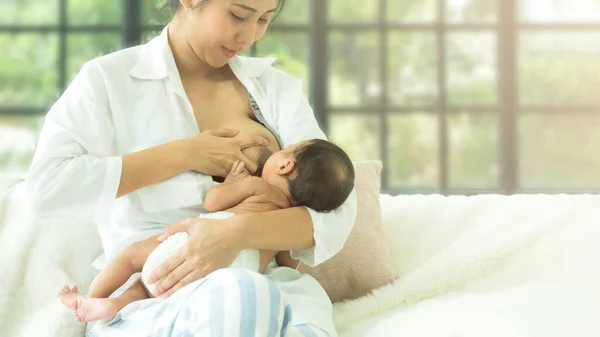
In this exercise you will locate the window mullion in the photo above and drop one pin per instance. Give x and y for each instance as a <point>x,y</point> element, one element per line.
<point>508,89</point>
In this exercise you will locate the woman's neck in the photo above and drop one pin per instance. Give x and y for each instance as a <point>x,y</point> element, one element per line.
<point>187,61</point>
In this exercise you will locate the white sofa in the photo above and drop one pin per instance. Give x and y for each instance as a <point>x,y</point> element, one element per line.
<point>470,266</point>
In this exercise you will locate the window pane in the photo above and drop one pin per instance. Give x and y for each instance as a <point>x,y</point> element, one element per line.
<point>354,69</point>
<point>83,47</point>
<point>28,69</point>
<point>18,136</point>
<point>469,11</point>
<point>412,11</point>
<point>294,11</point>
<point>559,10</point>
<point>357,135</point>
<point>559,151</point>
<point>38,12</point>
<point>473,150</point>
<point>413,151</point>
<point>559,68</point>
<point>412,76</point>
<point>154,12</point>
<point>291,50</point>
<point>90,12</point>
<point>353,10</point>
<point>472,69</point>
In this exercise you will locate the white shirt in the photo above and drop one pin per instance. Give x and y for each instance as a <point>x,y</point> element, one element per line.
<point>134,99</point>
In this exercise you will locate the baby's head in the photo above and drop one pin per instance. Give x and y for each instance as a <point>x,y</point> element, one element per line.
<point>314,173</point>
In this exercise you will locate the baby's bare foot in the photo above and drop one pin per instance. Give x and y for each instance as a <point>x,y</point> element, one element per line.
<point>69,296</point>
<point>92,309</point>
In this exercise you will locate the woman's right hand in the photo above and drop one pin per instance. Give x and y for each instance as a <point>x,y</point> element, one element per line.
<point>213,152</point>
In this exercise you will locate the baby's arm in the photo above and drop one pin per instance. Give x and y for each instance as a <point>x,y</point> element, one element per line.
<point>239,185</point>
<point>227,195</point>
<point>119,270</point>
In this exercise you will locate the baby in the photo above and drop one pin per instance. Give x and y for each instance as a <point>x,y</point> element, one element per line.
<point>313,173</point>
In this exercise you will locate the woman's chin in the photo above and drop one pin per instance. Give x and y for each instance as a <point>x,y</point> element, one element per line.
<point>219,62</point>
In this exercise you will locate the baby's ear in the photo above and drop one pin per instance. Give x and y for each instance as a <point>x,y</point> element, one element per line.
<point>286,167</point>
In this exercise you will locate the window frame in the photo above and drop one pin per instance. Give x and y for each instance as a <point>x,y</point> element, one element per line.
<point>507,30</point>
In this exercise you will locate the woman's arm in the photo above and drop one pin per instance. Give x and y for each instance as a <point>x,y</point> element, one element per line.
<point>311,237</point>
<point>151,166</point>
<point>76,169</point>
<point>199,153</point>
<point>79,171</point>
<point>285,229</point>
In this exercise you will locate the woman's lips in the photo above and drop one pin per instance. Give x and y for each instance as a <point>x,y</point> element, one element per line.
<point>229,53</point>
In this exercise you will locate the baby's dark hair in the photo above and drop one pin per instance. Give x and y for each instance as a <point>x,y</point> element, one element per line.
<point>324,176</point>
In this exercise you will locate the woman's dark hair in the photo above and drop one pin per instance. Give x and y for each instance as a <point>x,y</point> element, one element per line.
<point>325,176</point>
<point>174,6</point>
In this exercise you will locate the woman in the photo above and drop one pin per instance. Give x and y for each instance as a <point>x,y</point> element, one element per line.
<point>134,143</point>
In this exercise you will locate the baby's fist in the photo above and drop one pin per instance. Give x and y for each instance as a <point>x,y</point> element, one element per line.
<point>238,172</point>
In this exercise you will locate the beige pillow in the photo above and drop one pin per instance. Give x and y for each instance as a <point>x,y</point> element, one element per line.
<point>364,263</point>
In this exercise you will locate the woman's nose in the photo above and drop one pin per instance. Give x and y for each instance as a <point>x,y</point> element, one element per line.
<point>246,35</point>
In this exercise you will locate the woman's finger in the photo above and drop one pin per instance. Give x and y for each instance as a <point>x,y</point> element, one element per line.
<point>233,168</point>
<point>189,278</point>
<point>168,266</point>
<point>173,279</point>
<point>253,141</point>
<point>229,133</point>
<point>240,168</point>
<point>248,164</point>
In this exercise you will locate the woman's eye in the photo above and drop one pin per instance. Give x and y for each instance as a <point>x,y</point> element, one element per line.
<point>236,17</point>
<point>263,21</point>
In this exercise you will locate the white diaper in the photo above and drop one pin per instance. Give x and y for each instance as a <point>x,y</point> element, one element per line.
<point>247,259</point>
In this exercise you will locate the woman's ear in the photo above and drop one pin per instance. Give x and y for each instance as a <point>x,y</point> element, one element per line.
<point>286,167</point>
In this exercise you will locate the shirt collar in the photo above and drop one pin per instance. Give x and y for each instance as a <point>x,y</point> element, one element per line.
<point>155,61</point>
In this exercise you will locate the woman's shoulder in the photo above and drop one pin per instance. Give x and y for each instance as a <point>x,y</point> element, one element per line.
<point>115,63</point>
<point>264,70</point>
<point>277,78</point>
<point>96,75</point>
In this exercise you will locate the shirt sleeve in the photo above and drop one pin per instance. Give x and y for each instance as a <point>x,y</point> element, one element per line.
<point>330,229</point>
<point>75,170</point>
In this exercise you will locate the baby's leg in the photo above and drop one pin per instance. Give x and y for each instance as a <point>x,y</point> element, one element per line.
<point>118,271</point>
<point>92,309</point>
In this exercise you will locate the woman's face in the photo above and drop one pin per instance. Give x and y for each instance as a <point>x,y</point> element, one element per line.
<point>219,29</point>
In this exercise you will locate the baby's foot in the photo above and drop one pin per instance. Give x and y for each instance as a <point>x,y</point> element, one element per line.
<point>92,309</point>
<point>69,296</point>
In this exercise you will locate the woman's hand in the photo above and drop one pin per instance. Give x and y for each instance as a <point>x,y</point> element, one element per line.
<point>213,244</point>
<point>213,152</point>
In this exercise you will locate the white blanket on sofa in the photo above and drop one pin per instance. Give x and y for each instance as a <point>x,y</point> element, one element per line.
<point>469,266</point>
<point>36,257</point>
<point>524,265</point>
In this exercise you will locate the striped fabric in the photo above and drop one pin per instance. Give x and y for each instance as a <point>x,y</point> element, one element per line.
<point>229,302</point>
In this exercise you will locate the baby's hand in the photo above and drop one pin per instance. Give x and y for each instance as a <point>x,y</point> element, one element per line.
<point>238,172</point>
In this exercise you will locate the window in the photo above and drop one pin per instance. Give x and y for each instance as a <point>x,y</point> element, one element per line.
<point>455,96</point>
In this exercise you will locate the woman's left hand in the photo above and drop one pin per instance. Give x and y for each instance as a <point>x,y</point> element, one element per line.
<point>213,244</point>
